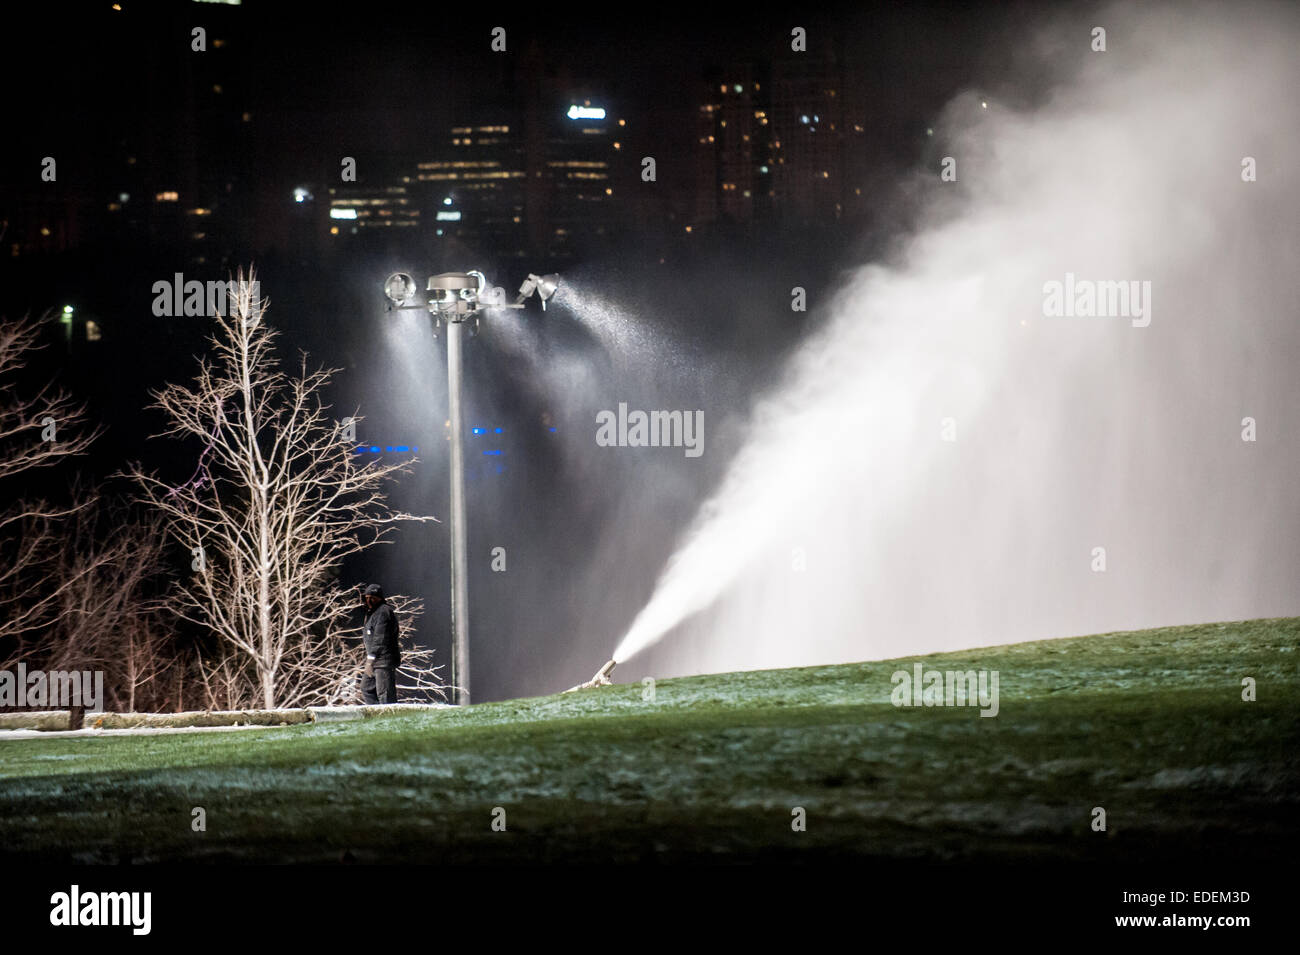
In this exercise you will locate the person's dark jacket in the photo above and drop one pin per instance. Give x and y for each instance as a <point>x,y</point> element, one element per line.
<point>381,637</point>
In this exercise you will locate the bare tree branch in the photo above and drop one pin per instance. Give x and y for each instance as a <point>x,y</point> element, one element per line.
<point>278,501</point>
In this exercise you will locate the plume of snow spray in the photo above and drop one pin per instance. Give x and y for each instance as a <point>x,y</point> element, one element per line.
<point>955,460</point>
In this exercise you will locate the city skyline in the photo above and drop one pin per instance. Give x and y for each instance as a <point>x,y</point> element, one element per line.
<point>209,143</point>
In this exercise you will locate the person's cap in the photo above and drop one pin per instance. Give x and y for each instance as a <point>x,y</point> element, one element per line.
<point>374,589</point>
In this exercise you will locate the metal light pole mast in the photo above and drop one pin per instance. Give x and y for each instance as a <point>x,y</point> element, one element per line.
<point>458,297</point>
<point>459,547</point>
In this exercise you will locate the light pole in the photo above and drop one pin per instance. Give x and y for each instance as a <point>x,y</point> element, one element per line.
<point>458,297</point>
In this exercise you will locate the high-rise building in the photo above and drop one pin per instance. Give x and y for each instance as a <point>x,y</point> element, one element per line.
<point>777,143</point>
<point>575,174</point>
<point>740,140</point>
<point>544,186</point>
<point>476,189</point>
<point>809,137</point>
<point>354,207</point>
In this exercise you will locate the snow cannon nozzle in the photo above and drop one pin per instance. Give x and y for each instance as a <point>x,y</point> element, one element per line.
<point>600,679</point>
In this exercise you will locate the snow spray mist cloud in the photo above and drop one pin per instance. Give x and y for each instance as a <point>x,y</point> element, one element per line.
<point>948,462</point>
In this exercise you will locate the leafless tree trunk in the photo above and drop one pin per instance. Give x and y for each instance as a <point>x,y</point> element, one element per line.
<point>278,502</point>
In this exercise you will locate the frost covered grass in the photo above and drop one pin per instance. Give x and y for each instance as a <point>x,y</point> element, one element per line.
<point>1149,725</point>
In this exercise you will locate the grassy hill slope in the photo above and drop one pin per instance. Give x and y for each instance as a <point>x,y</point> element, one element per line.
<point>1148,725</point>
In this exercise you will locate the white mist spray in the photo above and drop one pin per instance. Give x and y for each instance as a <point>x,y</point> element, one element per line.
<point>946,463</point>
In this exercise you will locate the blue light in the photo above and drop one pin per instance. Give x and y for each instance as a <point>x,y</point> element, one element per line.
<point>389,450</point>
<point>494,452</point>
<point>374,450</point>
<point>499,430</point>
<point>415,450</point>
<point>478,430</point>
<point>552,430</point>
<point>402,449</point>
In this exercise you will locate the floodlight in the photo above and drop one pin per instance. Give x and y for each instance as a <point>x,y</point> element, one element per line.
<point>400,288</point>
<point>544,285</point>
<point>547,286</point>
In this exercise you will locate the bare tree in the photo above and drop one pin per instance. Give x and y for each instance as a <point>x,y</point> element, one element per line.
<point>107,618</point>
<point>71,588</point>
<point>278,501</point>
<point>36,433</point>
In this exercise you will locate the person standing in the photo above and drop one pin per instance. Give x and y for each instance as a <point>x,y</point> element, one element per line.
<point>383,656</point>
